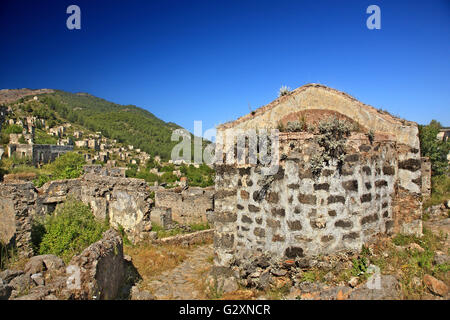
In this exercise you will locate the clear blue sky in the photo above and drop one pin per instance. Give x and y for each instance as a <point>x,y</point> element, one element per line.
<point>209,60</point>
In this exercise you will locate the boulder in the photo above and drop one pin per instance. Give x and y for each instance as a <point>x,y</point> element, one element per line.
<point>264,280</point>
<point>229,285</point>
<point>436,286</point>
<point>22,283</point>
<point>44,262</point>
<point>353,282</point>
<point>441,258</point>
<point>384,287</point>
<point>7,275</point>
<point>38,279</point>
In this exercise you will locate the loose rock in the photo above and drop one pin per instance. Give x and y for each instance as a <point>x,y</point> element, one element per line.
<point>435,286</point>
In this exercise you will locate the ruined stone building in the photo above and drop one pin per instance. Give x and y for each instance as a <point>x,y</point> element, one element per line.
<point>296,213</point>
<point>124,202</point>
<point>38,153</point>
<point>443,134</point>
<point>192,205</point>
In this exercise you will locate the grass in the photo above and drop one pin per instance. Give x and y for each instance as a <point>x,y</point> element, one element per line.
<point>440,190</point>
<point>42,137</point>
<point>9,259</point>
<point>199,226</point>
<point>163,233</point>
<point>410,265</point>
<point>277,293</point>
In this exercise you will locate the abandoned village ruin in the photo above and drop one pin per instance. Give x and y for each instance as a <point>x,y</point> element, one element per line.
<point>298,213</point>
<point>311,206</point>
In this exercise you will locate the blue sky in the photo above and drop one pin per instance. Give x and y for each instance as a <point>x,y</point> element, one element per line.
<point>210,60</point>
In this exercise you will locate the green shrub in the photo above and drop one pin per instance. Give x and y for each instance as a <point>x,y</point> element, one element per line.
<point>440,190</point>
<point>359,266</point>
<point>41,180</point>
<point>70,229</point>
<point>14,128</point>
<point>168,177</point>
<point>22,140</point>
<point>42,137</point>
<point>203,176</point>
<point>433,148</point>
<point>68,166</point>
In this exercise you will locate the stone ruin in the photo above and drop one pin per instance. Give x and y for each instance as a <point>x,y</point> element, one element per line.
<point>38,153</point>
<point>192,205</point>
<point>295,214</point>
<point>125,202</point>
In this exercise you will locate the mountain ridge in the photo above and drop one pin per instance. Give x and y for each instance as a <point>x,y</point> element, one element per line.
<point>128,124</point>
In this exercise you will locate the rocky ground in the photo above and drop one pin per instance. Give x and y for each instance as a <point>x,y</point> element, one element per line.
<point>399,268</point>
<point>323,280</point>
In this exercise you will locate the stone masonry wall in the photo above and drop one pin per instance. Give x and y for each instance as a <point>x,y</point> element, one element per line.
<point>124,201</point>
<point>102,269</point>
<point>296,214</point>
<point>39,153</point>
<point>16,210</point>
<point>189,206</point>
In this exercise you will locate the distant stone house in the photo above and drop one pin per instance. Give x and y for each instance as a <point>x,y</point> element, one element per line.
<point>81,144</point>
<point>93,144</point>
<point>38,153</point>
<point>78,134</point>
<point>296,212</point>
<point>443,134</point>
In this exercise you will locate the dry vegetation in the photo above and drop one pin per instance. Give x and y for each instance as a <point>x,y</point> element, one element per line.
<point>151,260</point>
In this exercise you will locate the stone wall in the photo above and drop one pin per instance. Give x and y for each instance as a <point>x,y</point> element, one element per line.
<point>162,216</point>
<point>189,239</point>
<point>124,201</point>
<point>105,171</point>
<point>39,153</point>
<point>16,210</point>
<point>426,177</point>
<point>101,268</point>
<point>188,206</point>
<point>294,213</point>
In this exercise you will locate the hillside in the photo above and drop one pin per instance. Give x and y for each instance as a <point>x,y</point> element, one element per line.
<point>127,124</point>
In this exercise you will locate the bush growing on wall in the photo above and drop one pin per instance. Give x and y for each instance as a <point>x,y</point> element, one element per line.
<point>331,139</point>
<point>69,230</point>
<point>67,166</point>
